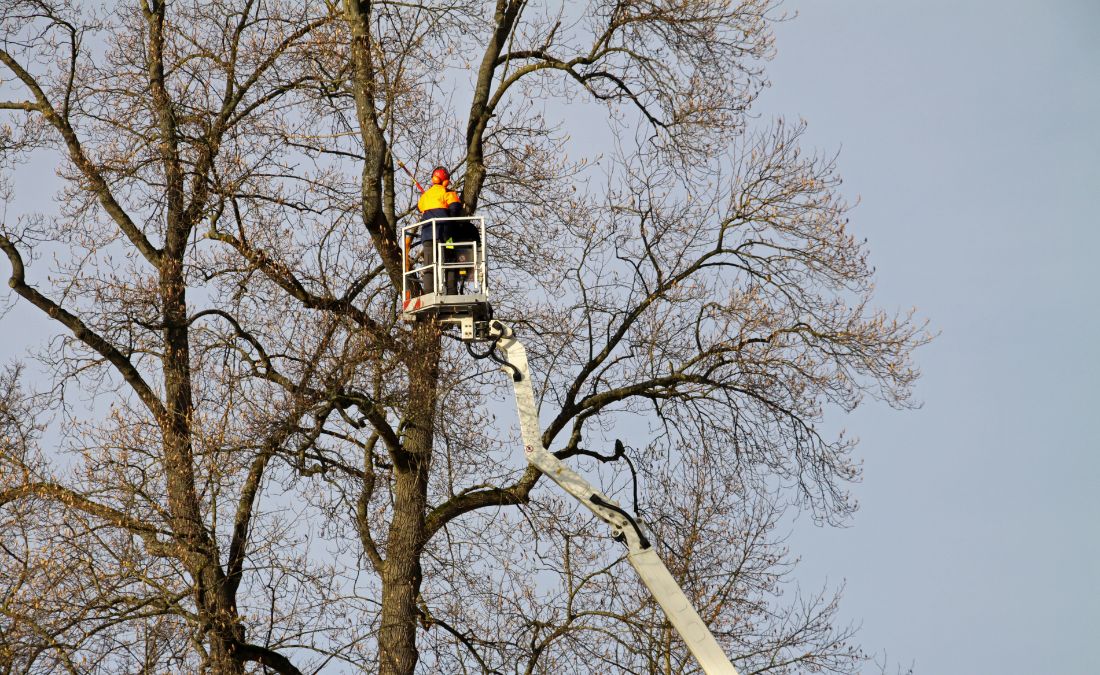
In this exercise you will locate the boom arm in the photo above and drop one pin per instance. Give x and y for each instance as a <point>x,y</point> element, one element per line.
<point>641,553</point>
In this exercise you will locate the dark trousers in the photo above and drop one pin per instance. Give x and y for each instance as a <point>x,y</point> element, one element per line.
<point>427,277</point>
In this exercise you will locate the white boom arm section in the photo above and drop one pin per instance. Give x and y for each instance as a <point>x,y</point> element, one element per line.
<point>641,555</point>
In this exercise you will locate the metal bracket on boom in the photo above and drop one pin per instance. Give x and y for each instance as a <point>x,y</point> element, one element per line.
<point>641,554</point>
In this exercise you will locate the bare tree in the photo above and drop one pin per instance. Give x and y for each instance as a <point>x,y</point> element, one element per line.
<point>145,110</point>
<point>278,473</point>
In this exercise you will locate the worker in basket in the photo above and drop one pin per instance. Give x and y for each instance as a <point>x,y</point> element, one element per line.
<point>441,202</point>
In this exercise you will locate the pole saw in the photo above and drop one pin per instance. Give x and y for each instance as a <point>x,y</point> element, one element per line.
<point>415,182</point>
<point>407,244</point>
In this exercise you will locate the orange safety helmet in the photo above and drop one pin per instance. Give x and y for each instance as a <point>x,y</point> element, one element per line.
<point>440,176</point>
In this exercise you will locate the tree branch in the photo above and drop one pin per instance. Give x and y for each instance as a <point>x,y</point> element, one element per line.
<point>72,499</point>
<point>76,154</point>
<point>285,279</point>
<point>81,331</point>
<point>266,657</point>
<point>517,493</point>
<point>20,105</point>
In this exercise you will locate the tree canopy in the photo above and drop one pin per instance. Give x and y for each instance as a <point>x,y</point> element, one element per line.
<point>277,473</point>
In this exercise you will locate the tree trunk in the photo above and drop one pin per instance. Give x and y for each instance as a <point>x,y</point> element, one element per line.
<point>401,573</point>
<point>221,660</point>
<point>196,548</point>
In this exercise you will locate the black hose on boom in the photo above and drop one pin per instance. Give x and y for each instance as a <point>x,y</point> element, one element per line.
<point>600,501</point>
<point>495,357</point>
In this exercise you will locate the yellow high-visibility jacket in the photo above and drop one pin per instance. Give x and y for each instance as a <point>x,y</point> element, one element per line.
<point>436,197</point>
<point>438,202</point>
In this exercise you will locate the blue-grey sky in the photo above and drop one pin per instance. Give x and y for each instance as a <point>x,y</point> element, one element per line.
<point>969,131</point>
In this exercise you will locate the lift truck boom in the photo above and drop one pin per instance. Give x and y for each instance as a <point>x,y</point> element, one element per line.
<point>641,553</point>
